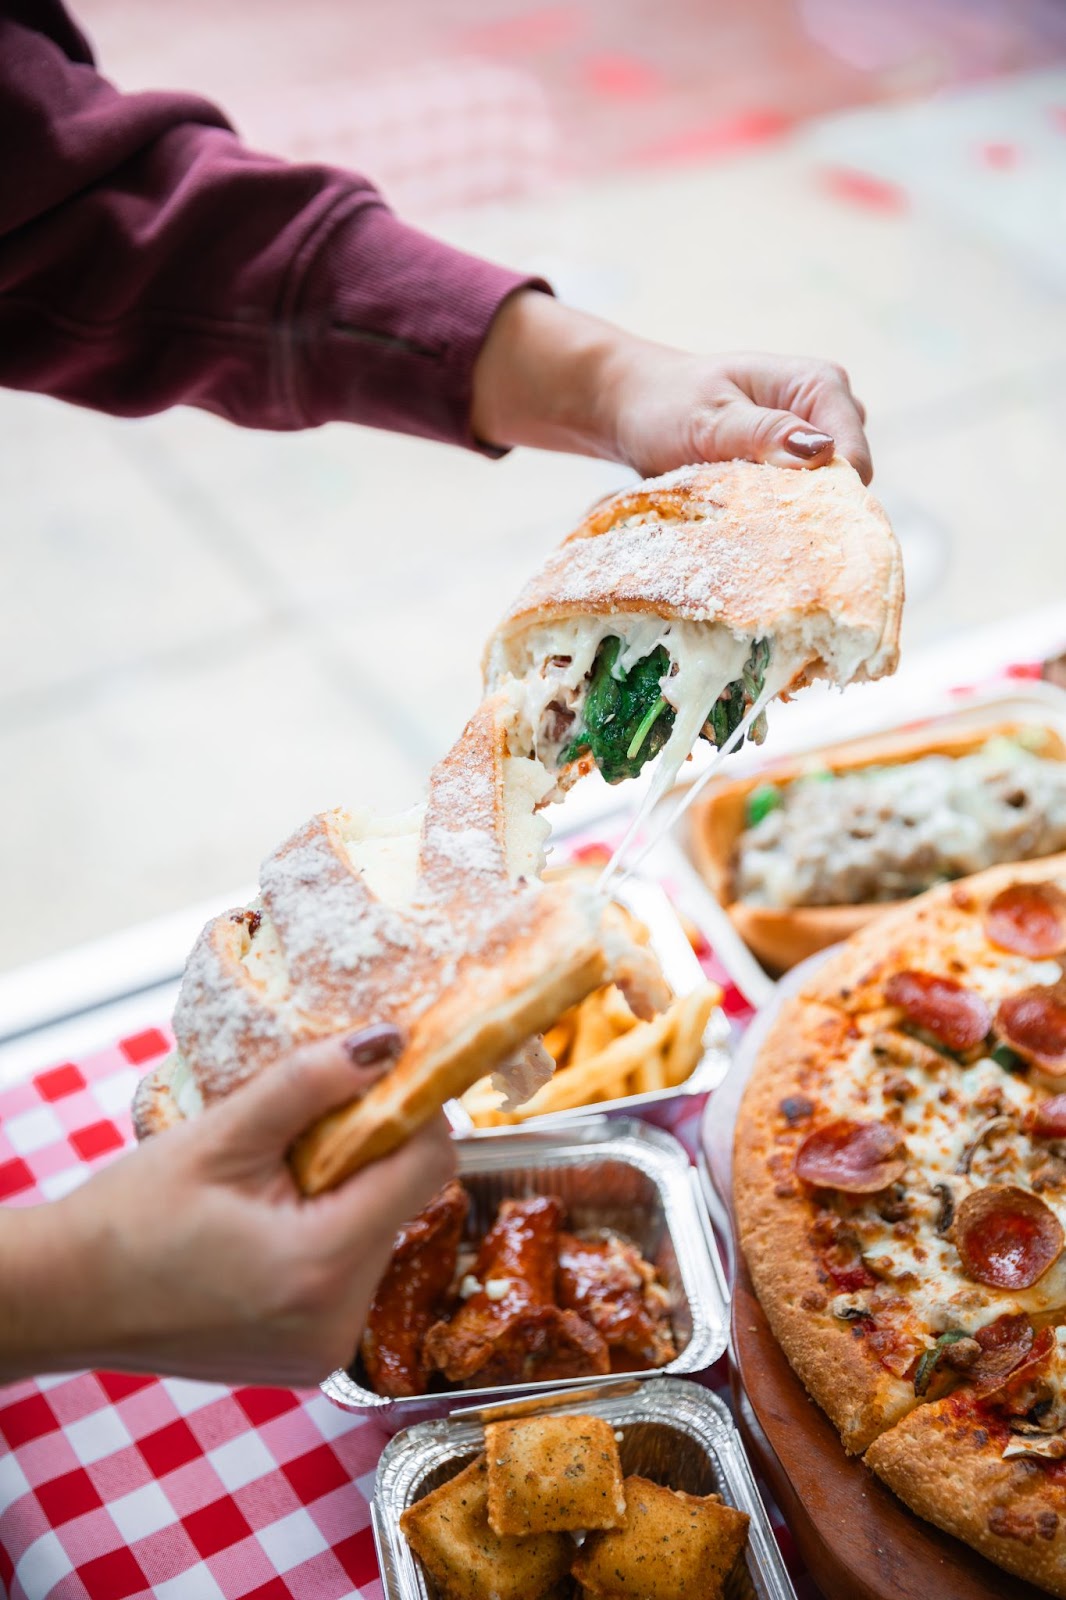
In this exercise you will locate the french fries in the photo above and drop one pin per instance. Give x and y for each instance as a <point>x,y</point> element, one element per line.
<point>603,1052</point>
<point>600,1049</point>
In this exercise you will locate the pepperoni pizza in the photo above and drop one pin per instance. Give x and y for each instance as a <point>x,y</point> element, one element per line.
<point>900,1187</point>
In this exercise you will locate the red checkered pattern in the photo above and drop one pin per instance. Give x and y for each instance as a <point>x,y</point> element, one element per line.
<point>114,1486</point>
<point>119,1488</point>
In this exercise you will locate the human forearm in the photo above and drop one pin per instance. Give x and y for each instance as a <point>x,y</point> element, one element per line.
<point>543,377</point>
<point>552,377</point>
<point>44,1316</point>
<point>148,259</point>
<point>195,1255</point>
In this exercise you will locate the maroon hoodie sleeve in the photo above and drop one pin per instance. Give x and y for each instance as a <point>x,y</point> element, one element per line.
<point>147,259</point>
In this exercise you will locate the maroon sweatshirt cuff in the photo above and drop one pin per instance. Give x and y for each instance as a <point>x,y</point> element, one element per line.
<point>386,325</point>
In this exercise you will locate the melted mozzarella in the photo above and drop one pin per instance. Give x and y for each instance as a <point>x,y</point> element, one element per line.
<point>938,1123</point>
<point>550,665</point>
<point>525,784</point>
<point>264,961</point>
<point>184,1090</point>
<point>384,850</point>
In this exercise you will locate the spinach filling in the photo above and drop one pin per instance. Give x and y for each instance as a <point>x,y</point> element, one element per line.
<point>626,721</point>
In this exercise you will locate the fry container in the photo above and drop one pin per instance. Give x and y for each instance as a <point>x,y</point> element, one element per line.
<point>672,1431</point>
<point>609,1173</point>
<point>681,968</point>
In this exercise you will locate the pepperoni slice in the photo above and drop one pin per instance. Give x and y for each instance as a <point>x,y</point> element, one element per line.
<point>1004,1343</point>
<point>1048,1120</point>
<point>1006,1237</point>
<point>941,1007</point>
<point>1017,1389</point>
<point>1033,1023</point>
<point>857,1157</point>
<point>1028,919</point>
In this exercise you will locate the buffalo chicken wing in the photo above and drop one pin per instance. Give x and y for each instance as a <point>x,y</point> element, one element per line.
<point>412,1294</point>
<point>610,1285</point>
<point>510,1330</point>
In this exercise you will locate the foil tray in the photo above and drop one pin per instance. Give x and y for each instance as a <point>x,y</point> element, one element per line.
<point>610,1173</point>
<point>649,902</point>
<point>677,1433</point>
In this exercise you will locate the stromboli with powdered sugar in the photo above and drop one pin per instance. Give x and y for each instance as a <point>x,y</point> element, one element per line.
<point>741,582</point>
<point>680,604</point>
<point>436,922</point>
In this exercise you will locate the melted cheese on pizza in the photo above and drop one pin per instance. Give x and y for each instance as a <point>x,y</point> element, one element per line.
<point>962,1129</point>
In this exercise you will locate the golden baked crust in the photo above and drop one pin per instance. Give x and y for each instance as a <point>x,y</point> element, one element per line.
<point>945,1462</point>
<point>553,1475</point>
<point>670,1544</point>
<point>542,959</point>
<point>154,1109</point>
<point>436,923</point>
<point>735,543</point>
<point>774,1226</point>
<point>449,1532</point>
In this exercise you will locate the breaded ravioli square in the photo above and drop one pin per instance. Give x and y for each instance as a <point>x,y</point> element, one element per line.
<point>553,1474</point>
<point>672,1546</point>
<point>448,1530</point>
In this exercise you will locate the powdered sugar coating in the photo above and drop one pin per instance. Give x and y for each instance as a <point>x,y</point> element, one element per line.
<point>223,1025</point>
<point>347,957</point>
<point>754,548</point>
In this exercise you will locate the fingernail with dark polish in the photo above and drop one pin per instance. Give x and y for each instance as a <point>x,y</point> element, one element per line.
<point>370,1046</point>
<point>806,445</point>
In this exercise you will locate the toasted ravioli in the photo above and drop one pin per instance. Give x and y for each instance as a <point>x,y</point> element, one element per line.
<point>671,1546</point>
<point>449,1532</point>
<point>553,1474</point>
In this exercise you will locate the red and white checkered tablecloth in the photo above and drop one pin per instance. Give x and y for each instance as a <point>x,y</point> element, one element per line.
<point>115,1487</point>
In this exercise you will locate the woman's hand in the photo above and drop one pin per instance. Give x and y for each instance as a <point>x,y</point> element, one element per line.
<point>195,1255</point>
<point>553,377</point>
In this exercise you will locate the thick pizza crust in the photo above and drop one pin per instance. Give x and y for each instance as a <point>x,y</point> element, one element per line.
<point>774,1219</point>
<point>922,933</point>
<point>943,1462</point>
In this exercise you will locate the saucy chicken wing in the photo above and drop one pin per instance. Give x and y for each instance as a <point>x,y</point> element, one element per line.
<point>609,1284</point>
<point>412,1294</point>
<point>509,1330</point>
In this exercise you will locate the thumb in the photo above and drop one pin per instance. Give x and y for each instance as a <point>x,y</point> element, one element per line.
<point>267,1114</point>
<point>742,431</point>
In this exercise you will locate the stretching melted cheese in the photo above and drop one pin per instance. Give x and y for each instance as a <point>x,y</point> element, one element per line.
<point>549,682</point>
<point>548,670</point>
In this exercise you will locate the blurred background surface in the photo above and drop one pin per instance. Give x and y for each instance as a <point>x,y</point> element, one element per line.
<point>206,635</point>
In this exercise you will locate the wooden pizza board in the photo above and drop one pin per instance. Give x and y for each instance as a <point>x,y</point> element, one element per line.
<point>858,1541</point>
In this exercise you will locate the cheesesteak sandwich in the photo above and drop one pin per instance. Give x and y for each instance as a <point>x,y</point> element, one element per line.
<point>435,922</point>
<point>683,604</point>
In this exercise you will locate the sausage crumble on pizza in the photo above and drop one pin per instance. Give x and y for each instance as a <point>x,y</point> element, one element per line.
<point>900,1187</point>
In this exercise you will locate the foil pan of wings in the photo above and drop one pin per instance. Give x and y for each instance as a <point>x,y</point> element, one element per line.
<point>613,1176</point>
<point>672,1431</point>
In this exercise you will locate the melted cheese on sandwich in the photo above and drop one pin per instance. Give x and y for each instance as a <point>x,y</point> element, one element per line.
<point>548,669</point>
